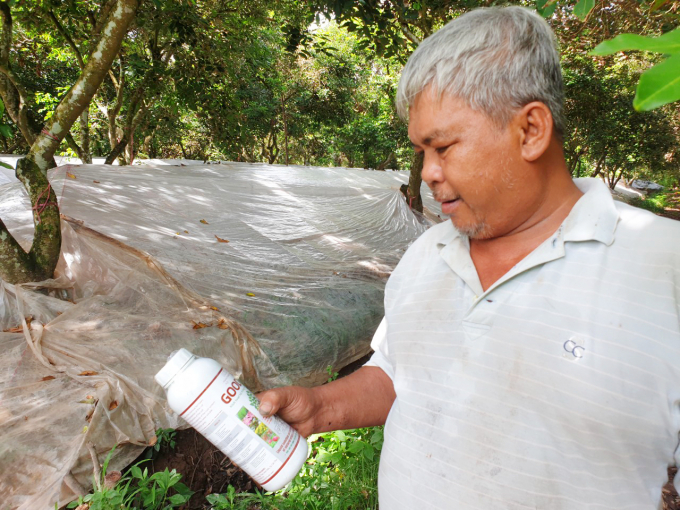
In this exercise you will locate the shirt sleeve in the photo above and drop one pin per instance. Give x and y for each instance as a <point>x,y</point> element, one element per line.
<point>380,356</point>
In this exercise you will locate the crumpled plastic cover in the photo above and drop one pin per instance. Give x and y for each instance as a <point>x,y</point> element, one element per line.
<point>276,272</point>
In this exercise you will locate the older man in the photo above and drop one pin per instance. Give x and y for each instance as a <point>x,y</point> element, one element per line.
<point>530,351</point>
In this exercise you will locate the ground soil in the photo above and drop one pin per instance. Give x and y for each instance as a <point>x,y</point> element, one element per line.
<point>205,469</point>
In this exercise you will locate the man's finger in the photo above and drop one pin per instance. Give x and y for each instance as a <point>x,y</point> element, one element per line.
<point>270,402</point>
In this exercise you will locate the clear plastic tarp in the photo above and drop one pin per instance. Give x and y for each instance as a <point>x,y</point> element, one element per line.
<point>277,272</point>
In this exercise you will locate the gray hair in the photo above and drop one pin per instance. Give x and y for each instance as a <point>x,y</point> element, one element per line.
<point>496,60</point>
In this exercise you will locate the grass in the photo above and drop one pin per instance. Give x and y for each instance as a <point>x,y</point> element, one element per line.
<point>136,490</point>
<point>340,474</point>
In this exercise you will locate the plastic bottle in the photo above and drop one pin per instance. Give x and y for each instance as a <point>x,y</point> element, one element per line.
<point>208,397</point>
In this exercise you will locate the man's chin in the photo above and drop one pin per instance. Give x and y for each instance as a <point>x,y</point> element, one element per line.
<point>477,230</point>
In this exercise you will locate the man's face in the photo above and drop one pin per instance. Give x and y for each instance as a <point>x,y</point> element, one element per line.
<point>473,167</point>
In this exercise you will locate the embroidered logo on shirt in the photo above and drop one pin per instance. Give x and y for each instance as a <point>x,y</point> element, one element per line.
<point>574,349</point>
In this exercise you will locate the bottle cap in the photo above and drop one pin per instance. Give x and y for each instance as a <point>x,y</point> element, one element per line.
<point>176,362</point>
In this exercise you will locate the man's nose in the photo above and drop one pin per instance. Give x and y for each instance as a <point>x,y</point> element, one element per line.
<point>432,169</point>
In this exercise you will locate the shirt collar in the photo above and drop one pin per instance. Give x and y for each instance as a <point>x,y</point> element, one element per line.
<point>593,218</point>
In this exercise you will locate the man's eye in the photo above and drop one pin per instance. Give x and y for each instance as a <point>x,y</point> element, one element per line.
<point>442,150</point>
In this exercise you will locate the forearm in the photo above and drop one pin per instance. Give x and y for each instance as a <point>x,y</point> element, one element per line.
<point>362,399</point>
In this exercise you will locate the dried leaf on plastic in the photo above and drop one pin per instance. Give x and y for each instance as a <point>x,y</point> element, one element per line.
<point>88,372</point>
<point>186,231</point>
<point>222,324</point>
<point>70,175</point>
<point>250,294</point>
<point>96,182</point>
<point>205,222</point>
<point>113,405</point>
<point>17,329</point>
<point>112,478</point>
<point>47,378</point>
<point>85,429</point>
<point>88,400</point>
<point>220,240</point>
<point>215,308</point>
<point>199,325</point>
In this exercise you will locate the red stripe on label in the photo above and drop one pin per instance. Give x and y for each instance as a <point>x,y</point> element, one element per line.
<point>206,389</point>
<point>286,462</point>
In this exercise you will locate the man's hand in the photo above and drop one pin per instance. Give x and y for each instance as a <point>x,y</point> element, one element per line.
<point>296,405</point>
<point>362,399</point>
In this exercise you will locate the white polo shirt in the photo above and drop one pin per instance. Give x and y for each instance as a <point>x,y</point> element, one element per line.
<point>557,388</point>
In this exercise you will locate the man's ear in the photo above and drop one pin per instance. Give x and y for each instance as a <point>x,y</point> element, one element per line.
<point>535,123</point>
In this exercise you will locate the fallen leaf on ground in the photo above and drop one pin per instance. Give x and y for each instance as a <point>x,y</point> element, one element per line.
<point>70,175</point>
<point>199,325</point>
<point>219,239</point>
<point>113,405</point>
<point>88,372</point>
<point>47,378</point>
<point>205,222</point>
<point>111,479</point>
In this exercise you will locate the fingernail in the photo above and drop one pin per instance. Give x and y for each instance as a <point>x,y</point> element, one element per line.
<point>265,408</point>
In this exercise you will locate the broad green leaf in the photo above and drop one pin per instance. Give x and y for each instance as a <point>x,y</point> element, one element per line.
<point>5,130</point>
<point>582,8</point>
<point>667,43</point>
<point>546,8</point>
<point>5,165</point>
<point>659,85</point>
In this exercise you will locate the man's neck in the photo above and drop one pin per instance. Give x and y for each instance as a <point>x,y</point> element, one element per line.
<point>494,257</point>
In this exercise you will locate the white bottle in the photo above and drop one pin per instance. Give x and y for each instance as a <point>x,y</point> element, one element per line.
<point>208,397</point>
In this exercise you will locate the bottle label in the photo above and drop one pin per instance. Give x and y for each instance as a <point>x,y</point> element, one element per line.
<point>227,414</point>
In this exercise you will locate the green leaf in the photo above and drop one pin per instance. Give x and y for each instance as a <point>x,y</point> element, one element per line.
<point>6,165</point>
<point>657,5</point>
<point>583,8</point>
<point>659,85</point>
<point>667,43</point>
<point>369,452</point>
<point>546,8</point>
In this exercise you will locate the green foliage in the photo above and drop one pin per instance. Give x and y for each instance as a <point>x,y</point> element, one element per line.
<point>165,437</point>
<point>583,8</point>
<point>341,473</point>
<point>136,490</point>
<point>332,376</point>
<point>659,85</point>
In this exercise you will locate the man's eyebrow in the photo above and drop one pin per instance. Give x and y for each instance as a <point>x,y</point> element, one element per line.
<point>437,133</point>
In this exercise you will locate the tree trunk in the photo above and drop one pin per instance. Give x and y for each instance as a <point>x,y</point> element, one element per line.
<point>412,192</point>
<point>16,266</point>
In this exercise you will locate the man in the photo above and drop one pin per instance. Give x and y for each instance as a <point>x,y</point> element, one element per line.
<point>530,351</point>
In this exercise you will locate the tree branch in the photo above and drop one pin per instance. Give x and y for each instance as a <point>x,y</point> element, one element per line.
<point>68,38</point>
<point>409,35</point>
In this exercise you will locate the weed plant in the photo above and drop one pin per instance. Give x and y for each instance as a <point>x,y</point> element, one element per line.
<point>340,474</point>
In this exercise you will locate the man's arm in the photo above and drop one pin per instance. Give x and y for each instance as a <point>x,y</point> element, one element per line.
<point>362,399</point>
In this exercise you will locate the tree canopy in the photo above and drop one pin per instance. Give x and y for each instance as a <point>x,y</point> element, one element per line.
<point>293,82</point>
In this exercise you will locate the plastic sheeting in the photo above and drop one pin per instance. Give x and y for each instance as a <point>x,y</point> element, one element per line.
<point>146,268</point>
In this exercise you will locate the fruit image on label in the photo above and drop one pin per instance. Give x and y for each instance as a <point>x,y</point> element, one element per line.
<point>267,434</point>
